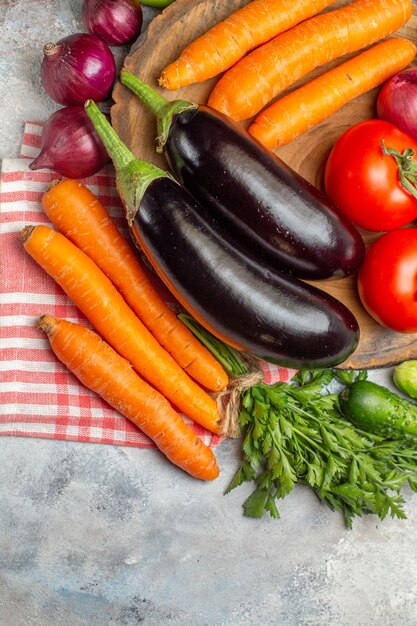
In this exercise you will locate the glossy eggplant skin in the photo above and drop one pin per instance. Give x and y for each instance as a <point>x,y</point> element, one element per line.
<point>276,212</point>
<point>244,302</point>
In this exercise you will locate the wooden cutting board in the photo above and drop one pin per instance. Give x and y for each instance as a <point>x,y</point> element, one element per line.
<point>165,38</point>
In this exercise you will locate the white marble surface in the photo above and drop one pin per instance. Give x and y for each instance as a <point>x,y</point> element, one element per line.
<point>95,535</point>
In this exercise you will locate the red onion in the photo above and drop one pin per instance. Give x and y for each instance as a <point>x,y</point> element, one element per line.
<point>70,145</point>
<point>115,21</point>
<point>397,101</point>
<point>77,68</point>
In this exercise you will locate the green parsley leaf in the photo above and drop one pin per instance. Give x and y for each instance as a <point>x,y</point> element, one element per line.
<point>296,433</point>
<point>254,505</point>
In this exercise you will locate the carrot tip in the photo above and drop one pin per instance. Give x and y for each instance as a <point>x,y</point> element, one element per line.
<point>54,183</point>
<point>26,233</point>
<point>46,323</point>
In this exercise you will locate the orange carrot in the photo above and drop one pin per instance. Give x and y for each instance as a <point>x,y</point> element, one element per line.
<point>113,319</point>
<point>79,216</point>
<point>305,107</point>
<point>228,41</point>
<point>111,376</point>
<point>255,80</point>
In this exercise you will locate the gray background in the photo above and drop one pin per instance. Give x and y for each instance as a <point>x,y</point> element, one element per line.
<point>99,535</point>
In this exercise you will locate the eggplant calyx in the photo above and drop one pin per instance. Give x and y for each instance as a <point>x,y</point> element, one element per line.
<point>133,176</point>
<point>165,119</point>
<point>132,182</point>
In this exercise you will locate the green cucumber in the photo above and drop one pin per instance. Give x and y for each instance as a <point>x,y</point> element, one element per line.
<point>375,409</point>
<point>405,378</point>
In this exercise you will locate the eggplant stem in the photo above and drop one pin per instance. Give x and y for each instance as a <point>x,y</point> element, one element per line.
<point>133,176</point>
<point>151,98</point>
<point>165,110</point>
<point>118,151</point>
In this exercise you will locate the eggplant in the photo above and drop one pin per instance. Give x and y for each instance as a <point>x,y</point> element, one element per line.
<point>278,213</point>
<point>244,302</point>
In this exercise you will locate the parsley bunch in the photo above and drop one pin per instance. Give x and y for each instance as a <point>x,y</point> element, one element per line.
<point>295,432</point>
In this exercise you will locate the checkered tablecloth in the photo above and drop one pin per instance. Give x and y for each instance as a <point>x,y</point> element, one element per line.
<point>38,396</point>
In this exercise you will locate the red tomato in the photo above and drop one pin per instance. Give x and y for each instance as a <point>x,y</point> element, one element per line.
<point>387,280</point>
<point>364,183</point>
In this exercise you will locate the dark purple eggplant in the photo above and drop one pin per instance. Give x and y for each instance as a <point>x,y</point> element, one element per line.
<point>247,304</point>
<point>277,212</point>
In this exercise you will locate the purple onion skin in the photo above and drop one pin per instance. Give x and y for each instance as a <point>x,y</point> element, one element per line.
<point>397,102</point>
<point>77,68</point>
<point>117,22</point>
<point>70,145</point>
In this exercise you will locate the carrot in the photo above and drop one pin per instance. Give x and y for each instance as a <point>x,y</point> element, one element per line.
<point>79,216</point>
<point>105,372</point>
<point>228,41</point>
<point>295,113</point>
<point>113,319</point>
<point>255,80</point>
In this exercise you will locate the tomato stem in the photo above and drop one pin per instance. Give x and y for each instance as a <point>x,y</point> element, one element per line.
<point>407,167</point>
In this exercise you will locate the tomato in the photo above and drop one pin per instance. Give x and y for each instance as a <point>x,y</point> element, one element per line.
<point>364,183</point>
<point>387,280</point>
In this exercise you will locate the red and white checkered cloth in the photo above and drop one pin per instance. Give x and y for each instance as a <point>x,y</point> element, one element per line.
<point>38,396</point>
